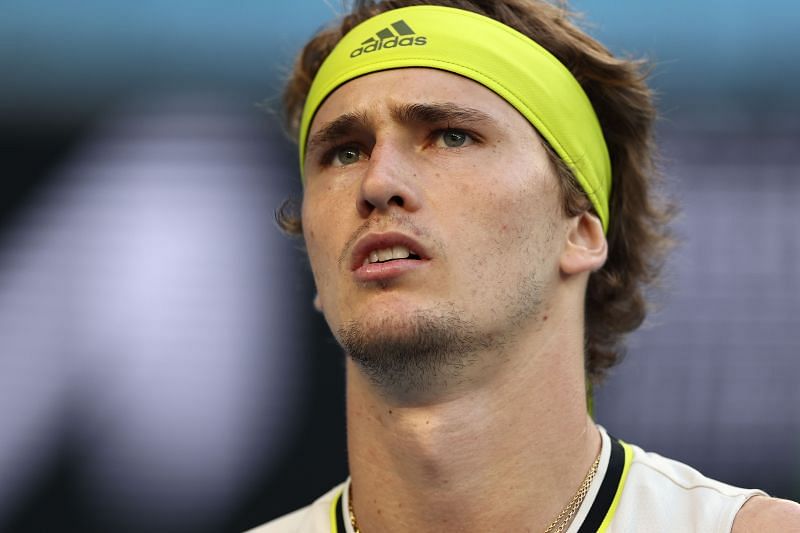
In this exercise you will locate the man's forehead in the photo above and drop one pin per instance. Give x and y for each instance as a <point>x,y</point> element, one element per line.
<point>412,94</point>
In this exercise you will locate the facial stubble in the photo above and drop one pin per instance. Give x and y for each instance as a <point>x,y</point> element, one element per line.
<point>427,351</point>
<point>413,353</point>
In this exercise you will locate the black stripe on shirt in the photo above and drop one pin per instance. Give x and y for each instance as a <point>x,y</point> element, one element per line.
<point>608,489</point>
<point>340,528</point>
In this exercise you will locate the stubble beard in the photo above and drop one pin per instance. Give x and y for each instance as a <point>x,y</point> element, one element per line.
<point>426,352</point>
<point>415,354</point>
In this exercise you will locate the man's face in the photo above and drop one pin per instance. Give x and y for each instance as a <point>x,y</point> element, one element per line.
<point>449,188</point>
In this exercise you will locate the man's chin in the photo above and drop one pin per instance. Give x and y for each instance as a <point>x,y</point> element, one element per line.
<point>411,353</point>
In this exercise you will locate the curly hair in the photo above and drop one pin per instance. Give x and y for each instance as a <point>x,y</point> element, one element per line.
<point>638,235</point>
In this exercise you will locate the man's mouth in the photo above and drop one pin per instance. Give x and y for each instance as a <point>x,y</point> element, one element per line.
<point>384,255</point>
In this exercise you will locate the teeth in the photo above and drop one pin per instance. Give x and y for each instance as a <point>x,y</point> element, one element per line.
<point>400,252</point>
<point>387,254</point>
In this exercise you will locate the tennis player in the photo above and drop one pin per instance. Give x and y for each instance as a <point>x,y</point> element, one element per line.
<point>481,217</point>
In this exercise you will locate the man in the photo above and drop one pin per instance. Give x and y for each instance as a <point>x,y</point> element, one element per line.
<point>480,219</point>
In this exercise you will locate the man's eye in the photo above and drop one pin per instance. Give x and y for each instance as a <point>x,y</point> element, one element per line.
<point>454,138</point>
<point>346,155</point>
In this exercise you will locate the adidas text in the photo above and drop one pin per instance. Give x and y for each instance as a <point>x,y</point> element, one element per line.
<point>389,43</point>
<point>402,35</point>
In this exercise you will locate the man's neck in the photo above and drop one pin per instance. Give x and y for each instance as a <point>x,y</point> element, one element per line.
<point>504,455</point>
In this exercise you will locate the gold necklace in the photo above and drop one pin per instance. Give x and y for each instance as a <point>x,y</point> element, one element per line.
<point>556,526</point>
<point>350,508</point>
<point>565,516</point>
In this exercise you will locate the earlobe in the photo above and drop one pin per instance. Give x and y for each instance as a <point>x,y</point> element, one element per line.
<point>586,248</point>
<point>317,302</point>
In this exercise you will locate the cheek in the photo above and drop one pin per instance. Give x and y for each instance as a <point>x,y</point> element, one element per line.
<point>318,233</point>
<point>510,220</point>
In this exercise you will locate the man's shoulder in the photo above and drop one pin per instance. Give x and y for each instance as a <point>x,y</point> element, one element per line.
<point>654,469</point>
<point>660,491</point>
<point>312,518</point>
<point>768,514</point>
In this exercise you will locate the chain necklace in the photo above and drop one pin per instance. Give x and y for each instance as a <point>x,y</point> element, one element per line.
<point>565,516</point>
<point>350,508</point>
<point>556,526</point>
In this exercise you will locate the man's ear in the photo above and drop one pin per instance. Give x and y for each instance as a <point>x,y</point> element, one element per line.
<point>317,302</point>
<point>586,248</point>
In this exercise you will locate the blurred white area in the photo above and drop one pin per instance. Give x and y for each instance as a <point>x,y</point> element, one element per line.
<point>147,315</point>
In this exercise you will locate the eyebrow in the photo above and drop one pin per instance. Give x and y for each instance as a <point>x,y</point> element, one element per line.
<point>441,112</point>
<point>340,127</point>
<point>405,113</point>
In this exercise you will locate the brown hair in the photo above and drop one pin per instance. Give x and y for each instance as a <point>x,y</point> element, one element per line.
<point>638,237</point>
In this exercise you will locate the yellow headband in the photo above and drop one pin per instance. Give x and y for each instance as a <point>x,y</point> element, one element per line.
<point>484,50</point>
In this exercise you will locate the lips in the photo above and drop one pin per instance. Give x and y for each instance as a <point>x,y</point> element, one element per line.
<point>386,253</point>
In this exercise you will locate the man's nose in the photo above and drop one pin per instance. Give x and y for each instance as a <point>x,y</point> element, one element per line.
<point>391,181</point>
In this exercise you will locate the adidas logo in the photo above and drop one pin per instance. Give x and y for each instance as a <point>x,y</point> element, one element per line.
<point>403,35</point>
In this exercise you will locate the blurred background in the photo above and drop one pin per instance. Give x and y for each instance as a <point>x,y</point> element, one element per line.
<point>161,367</point>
